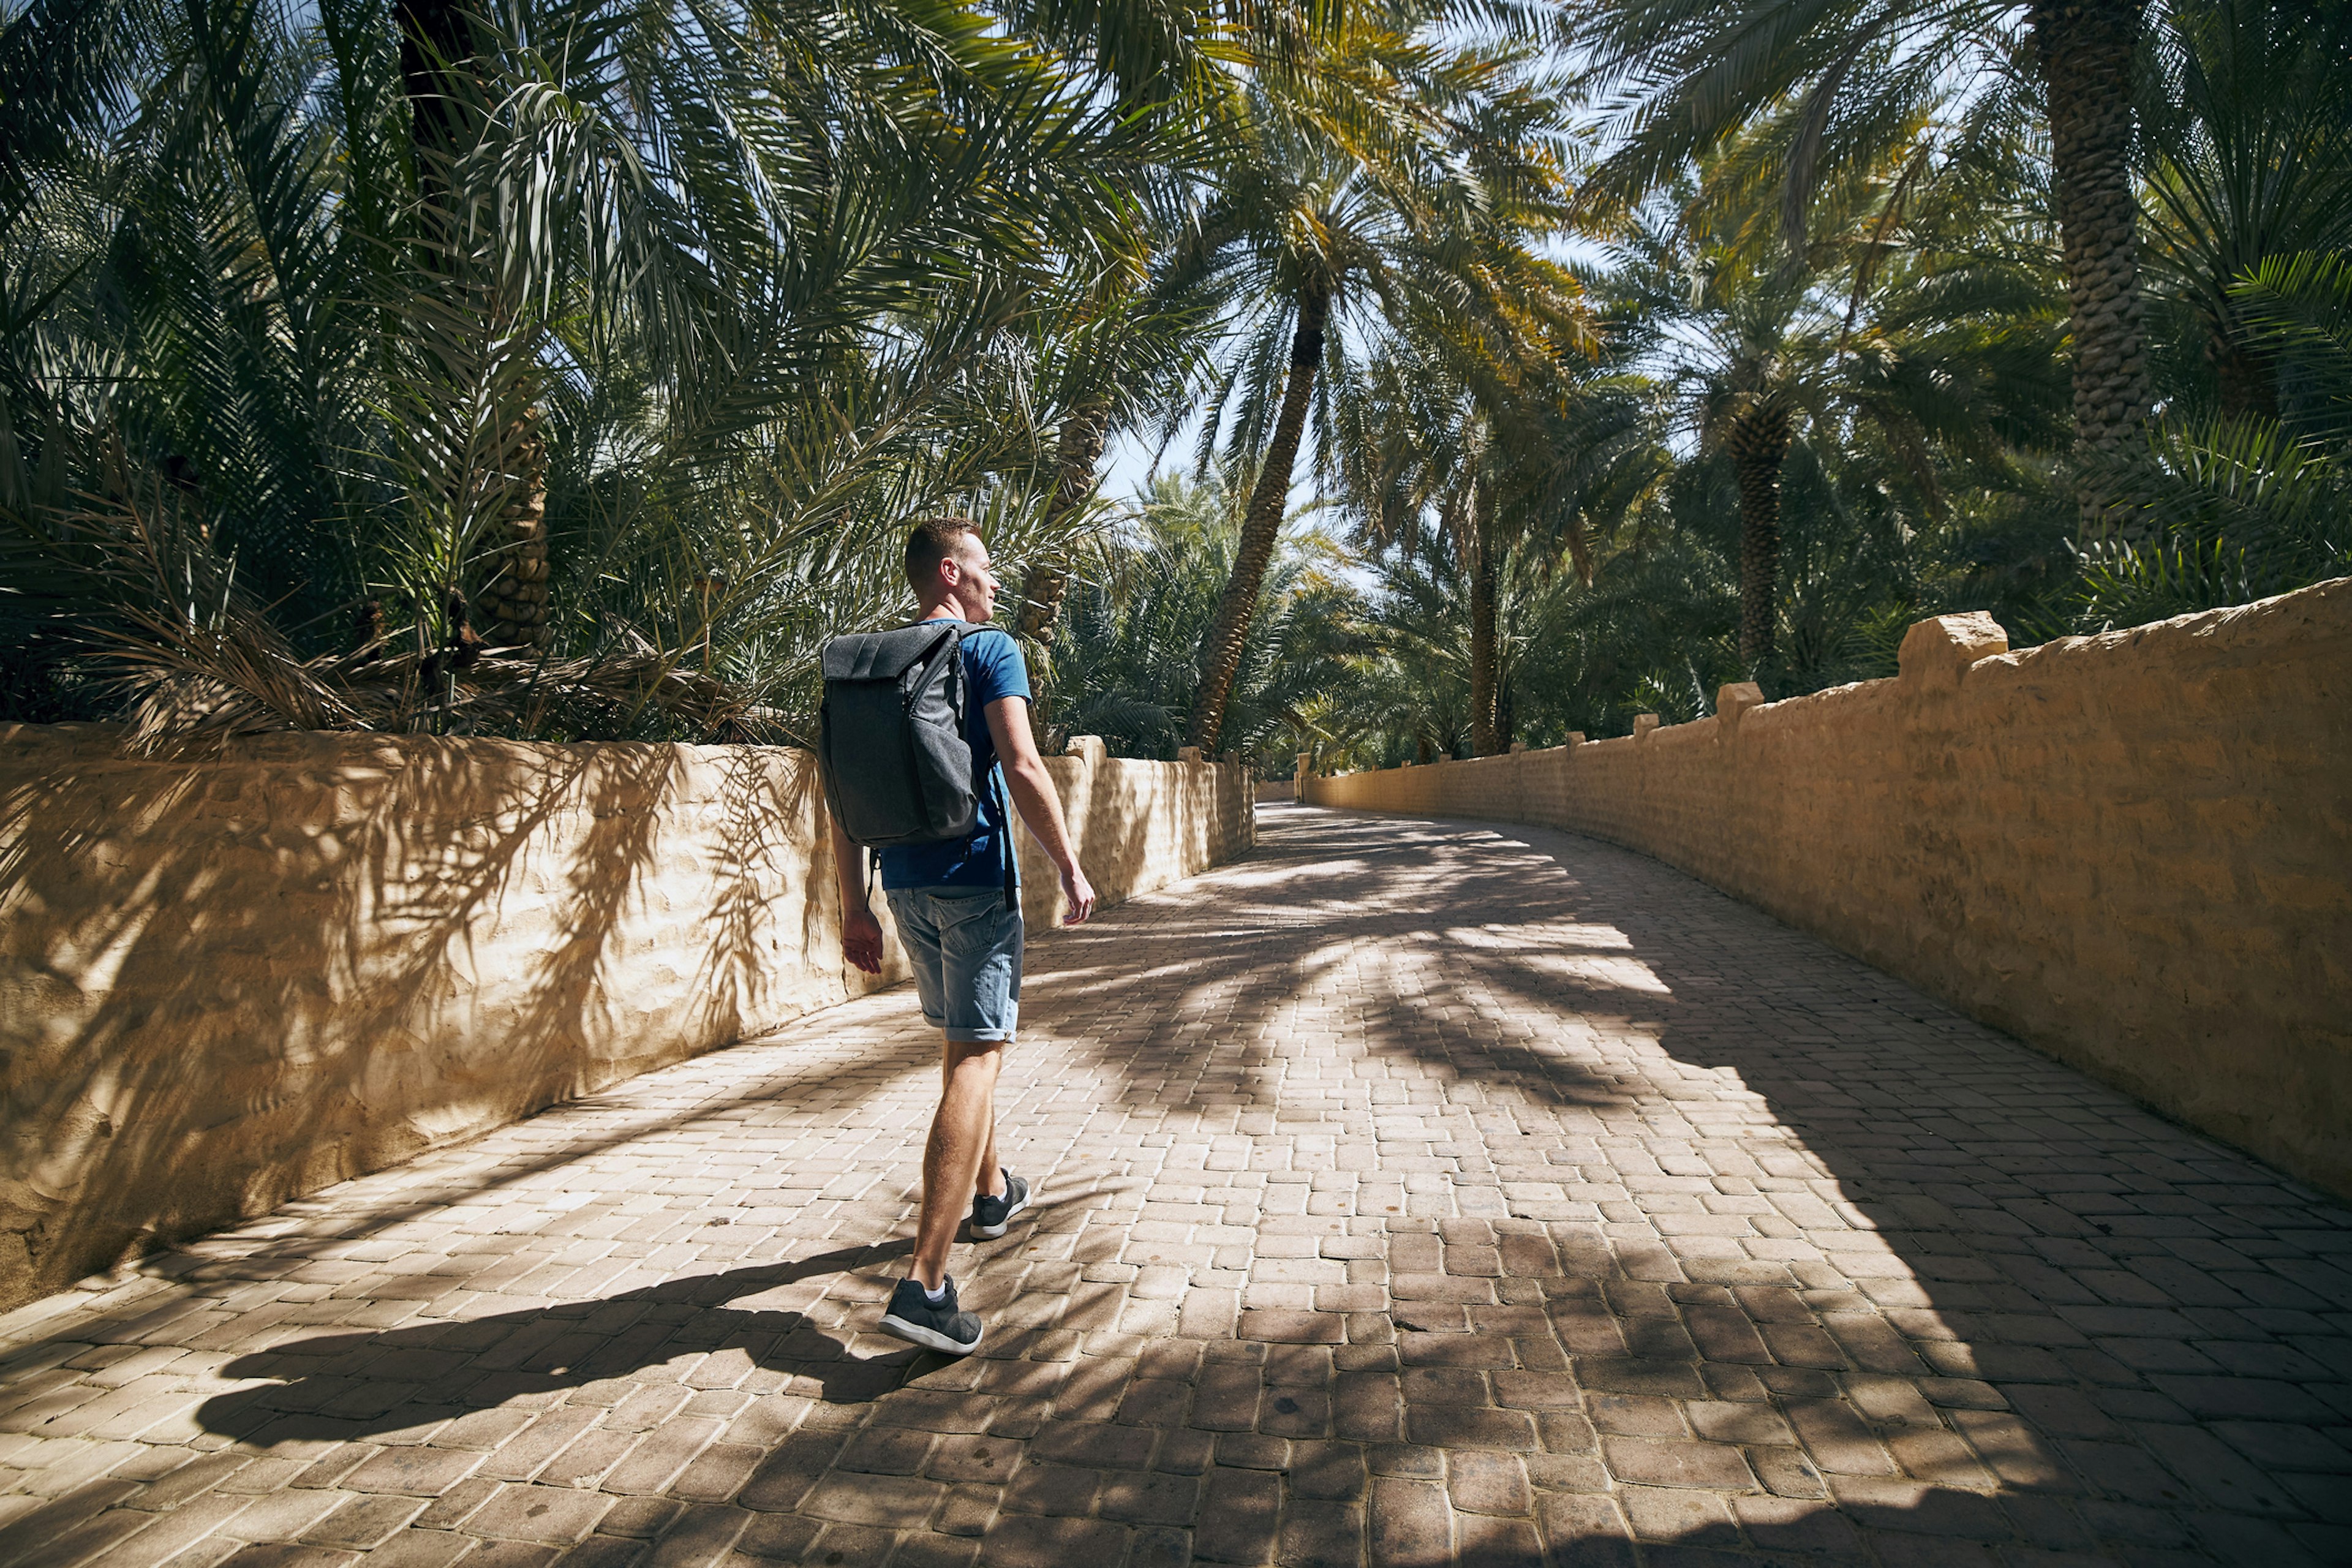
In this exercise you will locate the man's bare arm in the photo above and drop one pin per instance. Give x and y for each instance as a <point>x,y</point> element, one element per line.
<point>861,934</point>
<point>1032,788</point>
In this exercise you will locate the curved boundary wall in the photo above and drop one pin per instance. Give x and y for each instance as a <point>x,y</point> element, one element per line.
<point>2133,851</point>
<point>245,971</point>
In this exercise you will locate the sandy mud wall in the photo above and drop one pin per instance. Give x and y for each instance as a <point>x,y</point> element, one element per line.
<point>2133,851</point>
<point>235,976</point>
<point>1139,825</point>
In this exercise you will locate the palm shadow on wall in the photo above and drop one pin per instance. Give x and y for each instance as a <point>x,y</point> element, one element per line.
<point>343,896</point>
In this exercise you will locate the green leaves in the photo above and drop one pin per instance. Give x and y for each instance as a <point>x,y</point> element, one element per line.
<point>726,298</point>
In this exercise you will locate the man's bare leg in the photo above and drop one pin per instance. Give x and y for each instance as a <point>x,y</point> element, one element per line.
<point>964,1134</point>
<point>991,1180</point>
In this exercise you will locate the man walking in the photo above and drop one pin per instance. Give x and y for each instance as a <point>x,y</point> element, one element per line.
<point>949,900</point>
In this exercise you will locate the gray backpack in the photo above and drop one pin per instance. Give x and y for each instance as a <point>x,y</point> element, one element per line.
<point>890,741</point>
<point>891,738</point>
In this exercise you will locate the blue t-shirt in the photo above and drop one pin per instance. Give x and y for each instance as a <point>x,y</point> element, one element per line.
<point>993,670</point>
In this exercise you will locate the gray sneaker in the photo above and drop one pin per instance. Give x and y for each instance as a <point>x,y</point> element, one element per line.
<point>990,1216</point>
<point>946,1327</point>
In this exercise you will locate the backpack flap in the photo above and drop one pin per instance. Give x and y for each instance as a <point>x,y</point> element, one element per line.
<point>886,656</point>
<point>891,749</point>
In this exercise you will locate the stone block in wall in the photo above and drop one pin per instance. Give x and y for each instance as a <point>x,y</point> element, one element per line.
<point>1937,650</point>
<point>1731,701</point>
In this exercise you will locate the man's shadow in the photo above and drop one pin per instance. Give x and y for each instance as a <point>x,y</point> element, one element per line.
<point>351,1385</point>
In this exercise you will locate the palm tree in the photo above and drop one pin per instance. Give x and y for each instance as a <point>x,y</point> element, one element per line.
<point>1307,231</point>
<point>1113,354</point>
<point>1761,350</point>
<point>1125,666</point>
<point>2251,131</point>
<point>1442,441</point>
<point>1686,76</point>
<point>1366,177</point>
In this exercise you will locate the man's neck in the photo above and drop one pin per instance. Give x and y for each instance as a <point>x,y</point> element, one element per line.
<point>947,612</point>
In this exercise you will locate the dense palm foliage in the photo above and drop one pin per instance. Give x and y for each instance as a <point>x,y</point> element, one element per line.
<point>1126,664</point>
<point>579,389</point>
<point>566,369</point>
<point>1833,269</point>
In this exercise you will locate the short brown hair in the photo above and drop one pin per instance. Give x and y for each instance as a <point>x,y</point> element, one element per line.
<point>931,542</point>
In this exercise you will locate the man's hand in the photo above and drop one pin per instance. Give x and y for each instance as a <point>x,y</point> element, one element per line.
<point>861,934</point>
<point>861,938</point>
<point>1078,894</point>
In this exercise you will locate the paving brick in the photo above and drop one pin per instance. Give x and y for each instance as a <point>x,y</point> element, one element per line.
<point>1915,1508</point>
<point>1321,1534</point>
<point>413,1548</point>
<point>1485,1541</point>
<point>1483,1482</point>
<point>1326,1470</point>
<point>1460,1425</point>
<point>285,1516</point>
<point>1662,1462</point>
<point>1152,1498</point>
<point>1240,1512</point>
<point>552,1516</point>
<point>414,1470</point>
<point>1030,1541</point>
<point>1410,1525</point>
<point>1681,1515</point>
<point>639,1518</point>
<point>703,1535</point>
<point>452,1508</point>
<point>777,1537</point>
<point>1099,1445</point>
<point>1787,1472</point>
<point>1067,1490</point>
<point>365,1523</point>
<point>1841,1442</point>
<point>179,1531</point>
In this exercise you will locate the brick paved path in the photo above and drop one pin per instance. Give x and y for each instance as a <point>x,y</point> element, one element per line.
<point>1413,1192</point>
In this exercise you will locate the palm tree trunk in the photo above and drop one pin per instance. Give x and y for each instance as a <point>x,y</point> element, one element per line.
<point>1485,740</point>
<point>1078,451</point>
<point>515,601</point>
<point>2242,379</point>
<point>437,37</point>
<point>1759,439</point>
<point>440,47</point>
<point>1220,653</point>
<point>2086,48</point>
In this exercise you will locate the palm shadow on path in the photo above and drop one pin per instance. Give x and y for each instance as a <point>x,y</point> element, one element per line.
<point>2129,1326</point>
<point>2139,1331</point>
<point>2087,1326</point>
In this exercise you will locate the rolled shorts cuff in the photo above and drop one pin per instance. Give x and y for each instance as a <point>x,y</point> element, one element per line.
<point>963,1035</point>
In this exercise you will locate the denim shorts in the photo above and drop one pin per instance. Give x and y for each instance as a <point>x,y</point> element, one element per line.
<point>966,947</point>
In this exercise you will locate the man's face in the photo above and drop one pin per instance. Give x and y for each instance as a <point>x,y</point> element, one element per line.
<point>975,588</point>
